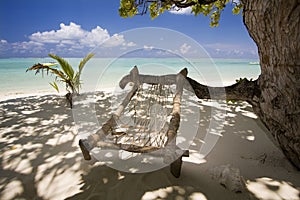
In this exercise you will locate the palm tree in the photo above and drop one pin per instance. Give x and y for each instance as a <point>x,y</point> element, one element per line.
<point>65,74</point>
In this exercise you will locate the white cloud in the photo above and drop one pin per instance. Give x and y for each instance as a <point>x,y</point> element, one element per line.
<point>221,46</point>
<point>125,45</point>
<point>74,36</point>
<point>66,32</point>
<point>131,44</point>
<point>95,37</point>
<point>164,53</point>
<point>68,39</point>
<point>181,11</point>
<point>27,45</point>
<point>115,40</point>
<point>30,47</point>
<point>184,48</point>
<point>4,46</point>
<point>146,47</point>
<point>231,50</point>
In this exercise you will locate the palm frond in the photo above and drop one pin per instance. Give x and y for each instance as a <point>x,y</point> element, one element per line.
<point>65,75</point>
<point>66,67</point>
<point>55,86</point>
<point>84,61</point>
<point>40,67</point>
<point>77,80</point>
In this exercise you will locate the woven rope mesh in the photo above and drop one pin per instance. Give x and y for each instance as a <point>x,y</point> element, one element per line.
<point>145,120</point>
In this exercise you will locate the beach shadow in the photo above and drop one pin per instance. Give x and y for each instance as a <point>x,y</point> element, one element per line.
<point>269,188</point>
<point>266,171</point>
<point>38,147</point>
<point>103,182</point>
<point>41,158</point>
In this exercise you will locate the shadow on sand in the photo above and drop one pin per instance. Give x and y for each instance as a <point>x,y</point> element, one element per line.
<point>41,160</point>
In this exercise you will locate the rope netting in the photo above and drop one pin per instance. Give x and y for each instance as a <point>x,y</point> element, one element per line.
<point>145,120</point>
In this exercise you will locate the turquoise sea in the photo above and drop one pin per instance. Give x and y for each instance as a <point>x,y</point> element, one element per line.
<point>105,73</point>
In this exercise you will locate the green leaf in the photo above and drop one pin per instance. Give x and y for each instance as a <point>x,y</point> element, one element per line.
<point>40,67</point>
<point>127,8</point>
<point>76,82</point>
<point>237,9</point>
<point>154,12</point>
<point>66,75</point>
<point>157,7</point>
<point>84,61</point>
<point>55,86</point>
<point>66,67</point>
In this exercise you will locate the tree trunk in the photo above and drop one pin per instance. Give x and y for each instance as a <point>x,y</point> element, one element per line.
<point>274,26</point>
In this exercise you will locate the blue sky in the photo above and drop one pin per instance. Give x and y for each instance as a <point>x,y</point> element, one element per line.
<point>34,28</point>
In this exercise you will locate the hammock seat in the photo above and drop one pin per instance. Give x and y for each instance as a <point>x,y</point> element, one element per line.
<point>146,121</point>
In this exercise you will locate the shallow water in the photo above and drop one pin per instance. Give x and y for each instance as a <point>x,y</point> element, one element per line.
<point>104,73</point>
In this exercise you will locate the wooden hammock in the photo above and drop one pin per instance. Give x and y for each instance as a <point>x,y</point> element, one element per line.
<point>146,121</point>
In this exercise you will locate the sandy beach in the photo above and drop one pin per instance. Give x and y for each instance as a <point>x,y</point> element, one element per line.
<point>41,159</point>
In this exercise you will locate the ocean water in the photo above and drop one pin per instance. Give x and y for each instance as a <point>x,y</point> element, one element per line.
<point>105,73</point>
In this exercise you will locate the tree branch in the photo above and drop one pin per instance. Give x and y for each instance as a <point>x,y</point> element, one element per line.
<point>177,3</point>
<point>185,4</point>
<point>244,90</point>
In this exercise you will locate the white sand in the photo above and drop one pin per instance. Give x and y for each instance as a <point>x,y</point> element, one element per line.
<point>41,160</point>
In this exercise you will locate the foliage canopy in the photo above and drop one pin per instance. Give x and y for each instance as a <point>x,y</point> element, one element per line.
<point>211,8</point>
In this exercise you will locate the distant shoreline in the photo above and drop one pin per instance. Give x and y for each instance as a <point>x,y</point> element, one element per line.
<point>18,95</point>
<point>100,74</point>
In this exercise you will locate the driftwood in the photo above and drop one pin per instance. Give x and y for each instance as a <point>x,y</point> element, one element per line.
<point>155,151</point>
<point>138,79</point>
<point>242,90</point>
<point>168,150</point>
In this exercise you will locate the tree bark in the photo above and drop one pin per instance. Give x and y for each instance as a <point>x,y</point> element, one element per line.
<point>243,90</point>
<point>274,26</point>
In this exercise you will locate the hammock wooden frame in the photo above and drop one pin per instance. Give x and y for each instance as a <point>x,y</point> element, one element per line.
<point>168,152</point>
